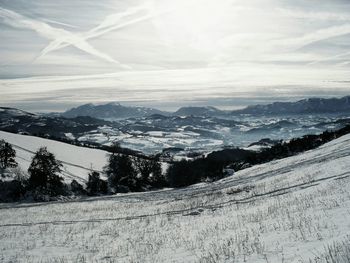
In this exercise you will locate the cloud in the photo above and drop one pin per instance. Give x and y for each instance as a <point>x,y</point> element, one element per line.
<point>263,47</point>
<point>180,84</point>
<point>314,15</point>
<point>111,23</point>
<point>242,48</point>
<point>315,36</point>
<point>329,58</point>
<point>114,19</point>
<point>57,23</point>
<point>57,34</point>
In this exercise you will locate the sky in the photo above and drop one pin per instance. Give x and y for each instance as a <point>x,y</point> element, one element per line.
<point>165,54</point>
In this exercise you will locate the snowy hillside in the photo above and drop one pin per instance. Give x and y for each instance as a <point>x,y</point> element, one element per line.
<point>77,161</point>
<point>290,210</point>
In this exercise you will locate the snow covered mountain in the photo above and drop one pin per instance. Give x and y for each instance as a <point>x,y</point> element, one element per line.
<point>290,210</point>
<point>116,111</point>
<point>154,133</point>
<point>19,121</point>
<point>199,111</point>
<point>306,106</point>
<point>110,111</point>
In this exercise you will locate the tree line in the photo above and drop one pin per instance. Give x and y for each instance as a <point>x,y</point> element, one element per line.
<point>124,173</point>
<point>212,167</point>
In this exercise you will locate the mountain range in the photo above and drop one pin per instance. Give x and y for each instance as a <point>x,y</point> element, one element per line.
<point>312,105</point>
<point>115,111</point>
<point>182,129</point>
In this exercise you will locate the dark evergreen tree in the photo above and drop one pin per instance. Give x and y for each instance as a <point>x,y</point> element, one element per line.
<point>95,185</point>
<point>43,172</point>
<point>7,155</point>
<point>121,172</point>
<point>115,147</point>
<point>179,174</point>
<point>185,172</point>
<point>150,172</point>
<point>144,167</point>
<point>157,178</point>
<point>11,191</point>
<point>77,188</point>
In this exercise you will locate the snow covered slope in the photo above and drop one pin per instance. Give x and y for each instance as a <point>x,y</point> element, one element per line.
<point>77,161</point>
<point>291,210</point>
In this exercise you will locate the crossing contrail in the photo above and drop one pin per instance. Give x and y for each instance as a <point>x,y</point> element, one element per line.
<point>110,23</point>
<point>58,35</point>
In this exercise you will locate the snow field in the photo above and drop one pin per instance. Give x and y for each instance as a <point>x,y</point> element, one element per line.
<point>291,210</point>
<point>77,161</point>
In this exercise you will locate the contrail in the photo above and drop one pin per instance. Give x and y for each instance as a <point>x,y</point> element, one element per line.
<point>57,23</point>
<point>110,24</point>
<point>110,20</point>
<point>57,34</point>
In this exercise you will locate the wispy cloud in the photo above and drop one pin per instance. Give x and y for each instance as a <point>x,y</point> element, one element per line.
<point>316,36</point>
<point>111,23</point>
<point>177,49</point>
<point>312,15</point>
<point>329,58</point>
<point>52,33</point>
<point>114,19</point>
<point>277,47</point>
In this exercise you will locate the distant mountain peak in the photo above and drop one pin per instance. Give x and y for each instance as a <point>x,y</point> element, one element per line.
<point>198,111</point>
<point>310,105</point>
<point>16,112</point>
<point>115,110</point>
<point>110,111</point>
<point>114,103</point>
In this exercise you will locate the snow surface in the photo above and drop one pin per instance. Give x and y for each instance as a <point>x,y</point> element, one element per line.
<point>77,161</point>
<point>289,210</point>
